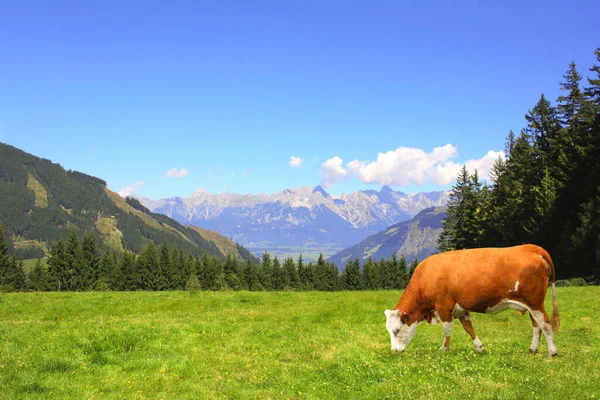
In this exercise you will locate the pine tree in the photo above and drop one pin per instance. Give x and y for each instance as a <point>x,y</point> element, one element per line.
<point>406,274</point>
<point>164,266</point>
<point>569,106</point>
<point>371,278</point>
<point>78,272</point>
<point>177,270</point>
<point>91,260</point>
<point>38,277</point>
<point>352,277</point>
<point>302,274</point>
<point>129,272</point>
<point>278,280</point>
<point>585,254</point>
<point>108,270</point>
<point>186,270</point>
<point>510,143</point>
<point>19,279</point>
<point>265,270</point>
<point>231,278</point>
<point>320,275</point>
<point>291,280</point>
<point>251,276</point>
<point>542,125</point>
<point>592,92</point>
<point>211,276</point>
<point>396,273</point>
<point>308,280</point>
<point>192,284</point>
<point>147,267</point>
<point>332,277</point>
<point>57,267</point>
<point>460,228</point>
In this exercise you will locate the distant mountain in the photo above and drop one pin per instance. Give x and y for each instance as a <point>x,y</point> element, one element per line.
<point>305,220</point>
<point>413,238</point>
<point>40,202</point>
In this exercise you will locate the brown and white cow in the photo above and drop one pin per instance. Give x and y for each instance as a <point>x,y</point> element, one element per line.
<point>452,284</point>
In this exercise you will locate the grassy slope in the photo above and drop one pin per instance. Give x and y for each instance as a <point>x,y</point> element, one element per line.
<point>41,196</point>
<point>225,245</point>
<point>278,345</point>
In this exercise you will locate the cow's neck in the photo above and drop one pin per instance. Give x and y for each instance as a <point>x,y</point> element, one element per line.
<point>412,304</point>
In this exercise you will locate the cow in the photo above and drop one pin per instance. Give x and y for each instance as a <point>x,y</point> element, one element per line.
<point>488,280</point>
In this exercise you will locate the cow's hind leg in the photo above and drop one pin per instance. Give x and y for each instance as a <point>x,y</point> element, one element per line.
<point>543,322</point>
<point>537,332</point>
<point>465,320</point>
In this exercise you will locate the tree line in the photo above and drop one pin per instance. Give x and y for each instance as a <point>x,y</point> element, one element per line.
<point>546,190</point>
<point>77,265</point>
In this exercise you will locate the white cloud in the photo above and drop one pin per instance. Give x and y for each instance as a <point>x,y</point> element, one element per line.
<point>130,190</point>
<point>408,165</point>
<point>447,173</point>
<point>174,173</point>
<point>332,172</point>
<point>295,162</point>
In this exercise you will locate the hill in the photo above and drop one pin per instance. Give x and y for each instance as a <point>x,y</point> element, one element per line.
<point>42,202</point>
<point>415,238</point>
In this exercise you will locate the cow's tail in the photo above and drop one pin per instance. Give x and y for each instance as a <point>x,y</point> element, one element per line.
<point>555,319</point>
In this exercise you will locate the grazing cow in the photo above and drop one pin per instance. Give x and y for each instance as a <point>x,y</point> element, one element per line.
<point>450,285</point>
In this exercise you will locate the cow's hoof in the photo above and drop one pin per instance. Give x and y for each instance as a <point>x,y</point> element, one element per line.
<point>443,348</point>
<point>479,349</point>
<point>554,354</point>
<point>533,352</point>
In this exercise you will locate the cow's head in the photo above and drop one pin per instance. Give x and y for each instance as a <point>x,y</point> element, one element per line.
<point>401,333</point>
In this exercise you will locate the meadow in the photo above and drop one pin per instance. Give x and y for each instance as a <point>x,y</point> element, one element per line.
<point>247,345</point>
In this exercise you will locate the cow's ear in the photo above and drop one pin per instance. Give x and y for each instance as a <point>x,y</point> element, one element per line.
<point>404,318</point>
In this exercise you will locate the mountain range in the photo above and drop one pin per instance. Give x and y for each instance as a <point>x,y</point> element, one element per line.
<point>415,238</point>
<point>41,202</point>
<point>294,221</point>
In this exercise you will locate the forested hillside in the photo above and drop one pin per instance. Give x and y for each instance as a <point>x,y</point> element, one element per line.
<point>415,238</point>
<point>547,190</point>
<point>41,203</point>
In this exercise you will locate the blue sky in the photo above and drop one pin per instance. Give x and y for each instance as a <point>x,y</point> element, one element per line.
<point>231,90</point>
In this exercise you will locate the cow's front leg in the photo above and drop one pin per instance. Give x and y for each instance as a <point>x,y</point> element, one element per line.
<point>446,318</point>
<point>465,320</point>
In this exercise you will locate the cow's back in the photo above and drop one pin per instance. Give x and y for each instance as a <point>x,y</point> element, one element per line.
<point>479,278</point>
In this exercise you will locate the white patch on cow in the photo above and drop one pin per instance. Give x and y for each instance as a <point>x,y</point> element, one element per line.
<point>516,289</point>
<point>547,329</point>
<point>458,311</point>
<point>447,328</point>
<point>400,334</point>
<point>505,304</point>
<point>436,318</point>
<point>478,345</point>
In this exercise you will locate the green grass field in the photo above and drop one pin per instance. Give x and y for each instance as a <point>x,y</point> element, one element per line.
<point>173,345</point>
